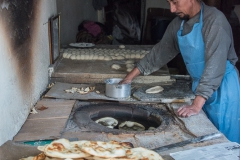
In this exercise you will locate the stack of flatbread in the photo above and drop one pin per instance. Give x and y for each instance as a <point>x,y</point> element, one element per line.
<point>62,149</point>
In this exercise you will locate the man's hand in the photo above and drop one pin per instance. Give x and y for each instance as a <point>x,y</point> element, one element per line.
<point>190,110</point>
<point>130,76</point>
<point>125,81</point>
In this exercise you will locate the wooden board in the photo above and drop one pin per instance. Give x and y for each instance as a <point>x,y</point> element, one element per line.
<point>96,71</point>
<point>58,91</point>
<point>41,129</point>
<point>48,123</point>
<point>76,71</point>
<point>58,108</point>
<point>177,92</point>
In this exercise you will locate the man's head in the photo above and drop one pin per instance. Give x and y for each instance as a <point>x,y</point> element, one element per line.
<point>185,9</point>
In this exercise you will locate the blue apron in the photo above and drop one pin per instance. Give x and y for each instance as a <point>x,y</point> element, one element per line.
<point>223,107</point>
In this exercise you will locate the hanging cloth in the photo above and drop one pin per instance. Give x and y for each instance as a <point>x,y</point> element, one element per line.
<point>223,107</point>
<point>99,4</point>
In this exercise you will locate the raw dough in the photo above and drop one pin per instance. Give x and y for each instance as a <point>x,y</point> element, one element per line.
<point>108,58</point>
<point>129,62</point>
<point>138,55</point>
<point>65,54</point>
<point>130,65</point>
<point>155,89</point>
<point>120,57</point>
<point>129,69</point>
<point>73,57</point>
<point>122,46</point>
<point>69,55</point>
<point>116,66</point>
<point>100,57</point>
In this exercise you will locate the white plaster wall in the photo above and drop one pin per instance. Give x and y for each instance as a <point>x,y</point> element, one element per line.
<point>14,106</point>
<point>73,12</point>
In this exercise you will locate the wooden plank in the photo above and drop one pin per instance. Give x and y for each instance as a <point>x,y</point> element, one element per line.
<point>41,129</point>
<point>100,78</point>
<point>97,67</point>
<point>58,108</point>
<point>96,71</point>
<point>48,123</point>
<point>58,91</point>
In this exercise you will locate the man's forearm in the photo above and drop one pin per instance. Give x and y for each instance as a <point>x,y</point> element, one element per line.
<point>199,101</point>
<point>134,73</point>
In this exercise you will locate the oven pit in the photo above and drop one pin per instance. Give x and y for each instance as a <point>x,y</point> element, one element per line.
<point>150,116</point>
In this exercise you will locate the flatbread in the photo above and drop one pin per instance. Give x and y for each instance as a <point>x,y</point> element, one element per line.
<point>108,122</point>
<point>41,148</point>
<point>143,154</point>
<point>99,158</point>
<point>62,148</point>
<point>156,89</point>
<point>28,158</point>
<point>41,156</point>
<point>110,149</point>
<point>132,126</point>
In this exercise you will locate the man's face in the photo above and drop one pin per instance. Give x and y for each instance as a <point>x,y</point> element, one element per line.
<point>181,8</point>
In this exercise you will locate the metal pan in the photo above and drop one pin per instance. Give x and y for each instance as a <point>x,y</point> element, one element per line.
<point>115,90</point>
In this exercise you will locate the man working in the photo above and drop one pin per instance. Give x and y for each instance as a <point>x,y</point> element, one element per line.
<point>203,36</point>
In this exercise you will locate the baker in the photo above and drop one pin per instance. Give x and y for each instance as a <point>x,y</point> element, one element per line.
<point>203,36</point>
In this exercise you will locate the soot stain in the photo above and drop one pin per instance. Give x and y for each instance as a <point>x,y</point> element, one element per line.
<point>19,18</point>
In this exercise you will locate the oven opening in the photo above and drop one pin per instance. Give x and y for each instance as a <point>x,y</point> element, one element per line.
<point>134,121</point>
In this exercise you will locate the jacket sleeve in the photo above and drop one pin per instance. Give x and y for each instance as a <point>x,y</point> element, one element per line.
<point>161,53</point>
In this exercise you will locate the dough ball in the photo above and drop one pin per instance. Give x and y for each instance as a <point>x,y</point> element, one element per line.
<point>100,57</point>
<point>113,57</point>
<point>142,55</point>
<point>78,57</point>
<point>87,57</point>
<point>120,57</point>
<point>128,56</point>
<point>82,57</point>
<point>65,54</point>
<point>129,69</point>
<point>138,55</point>
<point>73,57</point>
<point>130,65</point>
<point>108,58</point>
<point>122,46</point>
<point>133,56</point>
<point>90,56</point>
<point>69,55</point>
<point>116,66</point>
<point>95,57</point>
<point>129,62</point>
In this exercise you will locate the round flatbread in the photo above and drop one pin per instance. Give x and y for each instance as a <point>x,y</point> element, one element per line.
<point>99,158</point>
<point>41,156</point>
<point>143,154</point>
<point>110,149</point>
<point>62,148</point>
<point>132,126</point>
<point>155,89</point>
<point>41,148</point>
<point>108,122</point>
